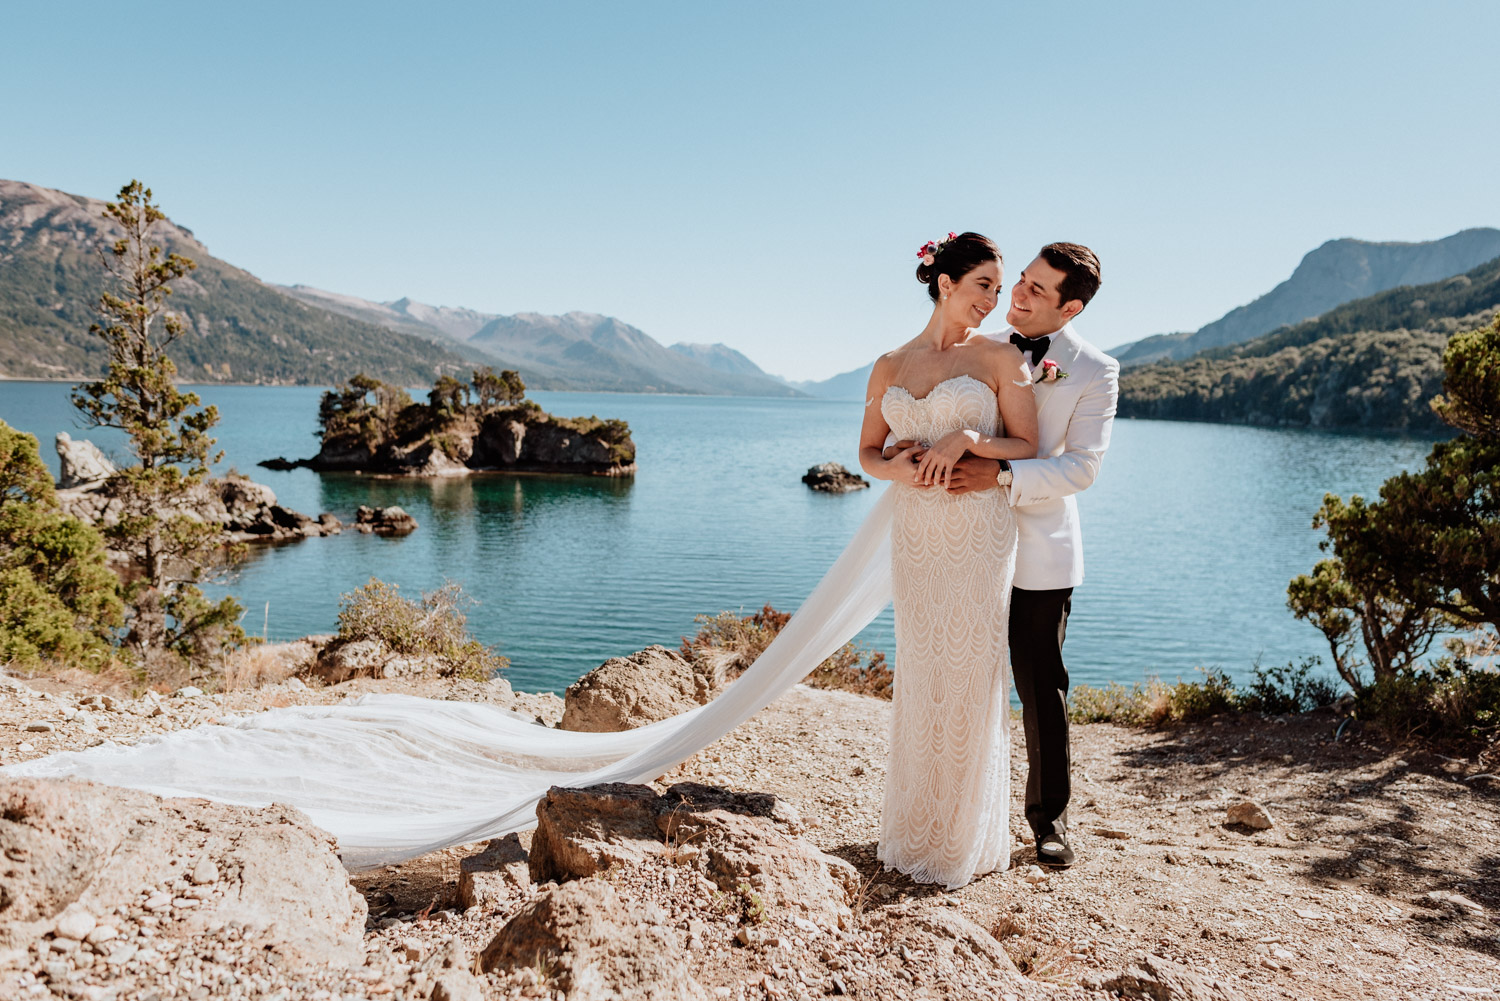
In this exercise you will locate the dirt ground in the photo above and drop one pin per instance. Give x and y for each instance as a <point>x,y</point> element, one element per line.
<point>1379,879</point>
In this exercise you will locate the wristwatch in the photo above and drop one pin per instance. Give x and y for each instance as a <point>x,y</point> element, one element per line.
<point>1005,476</point>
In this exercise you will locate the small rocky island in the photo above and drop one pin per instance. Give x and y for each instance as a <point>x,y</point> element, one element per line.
<point>369,426</point>
<point>833,478</point>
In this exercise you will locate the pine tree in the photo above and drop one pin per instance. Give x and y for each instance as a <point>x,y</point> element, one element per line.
<point>168,430</point>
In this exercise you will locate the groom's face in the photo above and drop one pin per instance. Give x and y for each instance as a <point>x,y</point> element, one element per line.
<point>1036,307</point>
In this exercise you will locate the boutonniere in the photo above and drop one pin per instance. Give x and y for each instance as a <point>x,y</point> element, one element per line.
<point>1049,372</point>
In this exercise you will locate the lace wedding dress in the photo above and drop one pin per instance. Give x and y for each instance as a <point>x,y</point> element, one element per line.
<point>947,792</point>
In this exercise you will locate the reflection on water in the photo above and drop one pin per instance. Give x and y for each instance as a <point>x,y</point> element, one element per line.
<point>1192,531</point>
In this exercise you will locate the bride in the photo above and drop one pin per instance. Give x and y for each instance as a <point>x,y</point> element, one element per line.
<point>393,776</point>
<point>953,392</point>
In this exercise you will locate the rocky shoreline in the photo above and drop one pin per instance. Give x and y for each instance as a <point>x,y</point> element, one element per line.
<point>748,872</point>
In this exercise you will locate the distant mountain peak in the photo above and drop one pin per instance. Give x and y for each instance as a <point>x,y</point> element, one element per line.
<point>1333,273</point>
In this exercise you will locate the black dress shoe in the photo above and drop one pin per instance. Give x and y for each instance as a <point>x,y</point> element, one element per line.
<point>1053,850</point>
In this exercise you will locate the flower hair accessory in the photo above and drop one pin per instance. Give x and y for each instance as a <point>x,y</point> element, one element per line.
<point>928,251</point>
<point>1050,372</point>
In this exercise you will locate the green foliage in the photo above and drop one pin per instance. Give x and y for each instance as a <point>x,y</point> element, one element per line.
<point>434,626</point>
<point>58,597</point>
<point>492,392</point>
<point>1154,703</point>
<point>1288,689</point>
<point>1471,382</point>
<point>1451,702</point>
<point>746,637</point>
<point>168,619</point>
<point>1423,558</point>
<point>1365,380</point>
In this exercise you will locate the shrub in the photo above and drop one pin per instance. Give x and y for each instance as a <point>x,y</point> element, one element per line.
<point>1154,702</point>
<point>434,626</point>
<point>849,668</point>
<point>1289,689</point>
<point>1451,702</point>
<point>58,597</point>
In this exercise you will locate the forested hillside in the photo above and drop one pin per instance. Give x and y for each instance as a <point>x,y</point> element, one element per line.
<point>1372,363</point>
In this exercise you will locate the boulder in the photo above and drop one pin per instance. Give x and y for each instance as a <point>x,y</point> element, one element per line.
<point>1152,978</point>
<point>627,692</point>
<point>77,850</point>
<point>945,935</point>
<point>384,520</point>
<point>497,874</point>
<point>341,660</point>
<point>596,945</point>
<point>582,832</point>
<point>832,478</point>
<point>740,841</point>
<point>81,462</point>
<point>1250,814</point>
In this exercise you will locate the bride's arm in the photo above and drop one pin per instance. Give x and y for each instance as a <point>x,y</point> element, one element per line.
<point>873,433</point>
<point>1018,420</point>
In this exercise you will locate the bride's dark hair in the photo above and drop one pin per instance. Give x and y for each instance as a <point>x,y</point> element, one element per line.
<point>957,257</point>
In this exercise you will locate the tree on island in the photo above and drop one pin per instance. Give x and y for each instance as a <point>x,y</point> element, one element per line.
<point>1423,558</point>
<point>168,619</point>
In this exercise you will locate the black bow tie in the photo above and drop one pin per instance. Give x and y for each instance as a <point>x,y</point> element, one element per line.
<point>1037,346</point>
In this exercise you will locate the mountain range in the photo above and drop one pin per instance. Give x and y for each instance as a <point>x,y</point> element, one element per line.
<point>1370,364</point>
<point>241,329</point>
<point>1339,271</point>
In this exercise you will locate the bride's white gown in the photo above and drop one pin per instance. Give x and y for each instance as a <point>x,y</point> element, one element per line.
<point>393,777</point>
<point>947,790</point>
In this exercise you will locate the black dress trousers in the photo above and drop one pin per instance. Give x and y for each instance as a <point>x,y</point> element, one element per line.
<point>1038,625</point>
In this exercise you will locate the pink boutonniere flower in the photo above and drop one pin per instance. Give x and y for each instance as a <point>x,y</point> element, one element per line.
<point>1049,372</point>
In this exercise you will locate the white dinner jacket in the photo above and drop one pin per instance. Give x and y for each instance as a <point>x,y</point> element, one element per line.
<point>1074,419</point>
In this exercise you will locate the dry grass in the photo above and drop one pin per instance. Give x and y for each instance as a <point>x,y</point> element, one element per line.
<point>254,666</point>
<point>849,669</point>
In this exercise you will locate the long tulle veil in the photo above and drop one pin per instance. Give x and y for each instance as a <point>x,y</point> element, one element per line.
<point>393,777</point>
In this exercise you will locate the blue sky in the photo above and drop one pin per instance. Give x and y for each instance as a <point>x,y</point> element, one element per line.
<point>762,174</point>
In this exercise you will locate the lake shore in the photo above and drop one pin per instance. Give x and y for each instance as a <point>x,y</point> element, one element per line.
<point>1344,897</point>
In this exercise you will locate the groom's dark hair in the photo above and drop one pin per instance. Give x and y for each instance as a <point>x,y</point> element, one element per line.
<point>1080,268</point>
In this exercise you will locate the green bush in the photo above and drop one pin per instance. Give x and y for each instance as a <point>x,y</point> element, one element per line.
<point>434,626</point>
<point>58,597</point>
<point>1289,689</point>
<point>1451,702</point>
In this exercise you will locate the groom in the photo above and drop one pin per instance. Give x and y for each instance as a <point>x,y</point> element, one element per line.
<point>1076,389</point>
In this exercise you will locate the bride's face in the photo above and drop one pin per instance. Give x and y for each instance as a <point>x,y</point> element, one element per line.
<point>973,297</point>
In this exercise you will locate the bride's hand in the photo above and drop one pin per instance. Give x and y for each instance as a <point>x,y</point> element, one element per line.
<point>904,463</point>
<point>938,463</point>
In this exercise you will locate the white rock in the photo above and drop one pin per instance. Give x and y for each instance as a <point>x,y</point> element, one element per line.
<point>74,923</point>
<point>187,692</point>
<point>206,871</point>
<point>1035,876</point>
<point>1251,814</point>
<point>102,934</point>
<point>25,748</point>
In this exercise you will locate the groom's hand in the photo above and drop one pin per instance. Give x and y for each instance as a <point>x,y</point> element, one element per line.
<point>973,473</point>
<point>892,451</point>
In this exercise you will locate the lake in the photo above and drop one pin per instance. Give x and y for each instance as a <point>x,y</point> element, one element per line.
<point>1191,532</point>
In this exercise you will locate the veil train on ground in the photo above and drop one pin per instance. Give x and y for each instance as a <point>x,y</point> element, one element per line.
<point>394,777</point>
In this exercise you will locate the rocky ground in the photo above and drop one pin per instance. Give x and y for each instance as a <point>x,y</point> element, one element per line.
<point>1379,876</point>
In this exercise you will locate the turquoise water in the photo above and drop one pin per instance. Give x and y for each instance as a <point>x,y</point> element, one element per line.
<point>1192,531</point>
